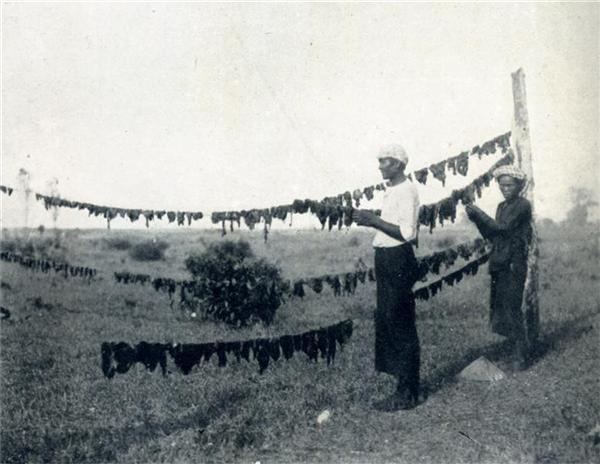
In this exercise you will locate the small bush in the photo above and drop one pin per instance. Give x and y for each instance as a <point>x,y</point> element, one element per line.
<point>118,243</point>
<point>233,286</point>
<point>150,250</point>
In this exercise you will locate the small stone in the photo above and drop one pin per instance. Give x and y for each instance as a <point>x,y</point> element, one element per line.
<point>482,370</point>
<point>323,417</point>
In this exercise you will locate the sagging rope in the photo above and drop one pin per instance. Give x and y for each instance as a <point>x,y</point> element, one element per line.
<point>335,209</point>
<point>340,283</point>
<point>46,266</point>
<point>339,211</point>
<point>346,283</point>
<point>120,357</point>
<point>110,212</point>
<point>470,269</point>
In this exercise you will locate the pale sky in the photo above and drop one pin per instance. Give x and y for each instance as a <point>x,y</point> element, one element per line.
<point>228,106</point>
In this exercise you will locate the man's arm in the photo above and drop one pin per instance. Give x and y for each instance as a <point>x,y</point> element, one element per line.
<point>370,219</point>
<point>514,218</point>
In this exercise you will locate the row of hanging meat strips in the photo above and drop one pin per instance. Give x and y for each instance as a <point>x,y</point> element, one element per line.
<point>331,211</point>
<point>445,209</point>
<point>346,283</point>
<point>340,283</point>
<point>428,291</point>
<point>460,163</point>
<point>46,266</point>
<point>120,357</point>
<point>110,213</point>
<point>7,190</point>
<point>337,210</point>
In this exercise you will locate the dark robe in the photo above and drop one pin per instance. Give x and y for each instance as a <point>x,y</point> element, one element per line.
<point>397,349</point>
<point>510,234</point>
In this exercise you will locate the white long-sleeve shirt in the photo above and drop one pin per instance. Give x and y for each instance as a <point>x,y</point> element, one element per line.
<point>401,207</point>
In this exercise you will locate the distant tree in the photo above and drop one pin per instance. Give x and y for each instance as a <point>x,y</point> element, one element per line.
<point>41,229</point>
<point>582,199</point>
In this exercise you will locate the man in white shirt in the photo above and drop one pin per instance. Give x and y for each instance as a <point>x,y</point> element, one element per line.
<point>397,349</point>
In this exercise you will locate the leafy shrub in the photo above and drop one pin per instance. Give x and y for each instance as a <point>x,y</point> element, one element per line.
<point>150,250</point>
<point>118,243</point>
<point>233,286</point>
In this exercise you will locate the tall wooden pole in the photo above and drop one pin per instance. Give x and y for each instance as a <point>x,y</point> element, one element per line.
<point>522,146</point>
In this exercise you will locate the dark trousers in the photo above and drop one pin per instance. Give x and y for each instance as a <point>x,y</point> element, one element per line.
<point>397,350</point>
<point>506,296</point>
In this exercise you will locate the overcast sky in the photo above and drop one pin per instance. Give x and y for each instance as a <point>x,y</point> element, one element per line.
<point>230,106</point>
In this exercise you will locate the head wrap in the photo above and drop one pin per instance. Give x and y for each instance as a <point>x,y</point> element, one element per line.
<point>394,151</point>
<point>510,170</point>
<point>515,173</point>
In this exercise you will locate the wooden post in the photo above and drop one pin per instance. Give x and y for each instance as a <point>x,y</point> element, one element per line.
<point>522,146</point>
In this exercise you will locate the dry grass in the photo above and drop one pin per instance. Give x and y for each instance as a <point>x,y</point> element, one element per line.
<point>57,406</point>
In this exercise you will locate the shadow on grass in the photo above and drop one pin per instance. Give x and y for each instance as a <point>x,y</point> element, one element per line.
<point>570,330</point>
<point>103,444</point>
<point>551,341</point>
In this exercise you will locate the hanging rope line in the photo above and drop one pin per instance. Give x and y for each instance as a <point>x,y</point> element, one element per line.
<point>424,293</point>
<point>7,190</point>
<point>47,266</point>
<point>110,212</point>
<point>339,211</point>
<point>346,283</point>
<point>340,283</point>
<point>120,357</point>
<point>460,163</point>
<point>160,284</point>
<point>445,209</point>
<point>335,209</point>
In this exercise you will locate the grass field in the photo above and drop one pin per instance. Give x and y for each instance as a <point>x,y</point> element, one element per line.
<point>58,407</point>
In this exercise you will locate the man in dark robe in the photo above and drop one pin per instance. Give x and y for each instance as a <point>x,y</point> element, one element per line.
<point>510,233</point>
